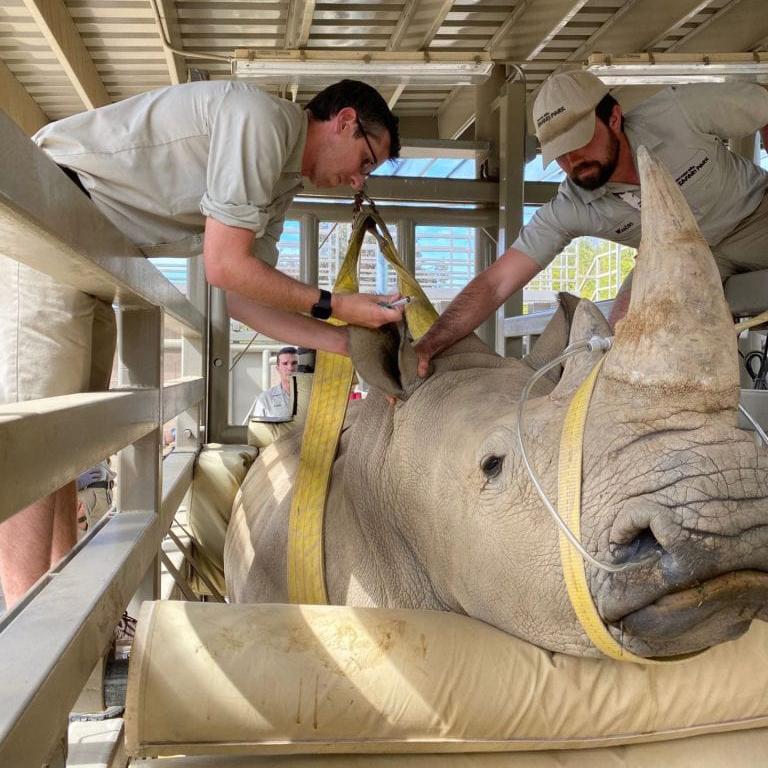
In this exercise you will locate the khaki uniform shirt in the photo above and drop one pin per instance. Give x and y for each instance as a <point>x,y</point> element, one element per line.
<point>685,127</point>
<point>159,163</point>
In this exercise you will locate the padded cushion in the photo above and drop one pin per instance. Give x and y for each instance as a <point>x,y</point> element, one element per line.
<point>736,749</point>
<point>269,679</point>
<point>219,472</point>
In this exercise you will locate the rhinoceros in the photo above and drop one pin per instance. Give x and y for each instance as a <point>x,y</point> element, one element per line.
<point>431,507</point>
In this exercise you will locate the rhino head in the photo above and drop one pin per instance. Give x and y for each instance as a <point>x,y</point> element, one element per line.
<point>665,469</point>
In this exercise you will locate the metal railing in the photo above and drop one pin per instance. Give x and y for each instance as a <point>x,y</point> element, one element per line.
<point>52,640</point>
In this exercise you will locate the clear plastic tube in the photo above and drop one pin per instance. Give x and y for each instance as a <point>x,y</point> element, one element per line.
<point>591,345</point>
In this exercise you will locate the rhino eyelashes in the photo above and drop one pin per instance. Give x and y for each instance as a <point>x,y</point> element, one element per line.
<point>491,466</point>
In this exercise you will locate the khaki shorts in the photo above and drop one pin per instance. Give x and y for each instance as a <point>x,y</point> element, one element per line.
<point>54,339</point>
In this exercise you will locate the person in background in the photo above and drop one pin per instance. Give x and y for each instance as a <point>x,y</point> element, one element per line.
<point>277,401</point>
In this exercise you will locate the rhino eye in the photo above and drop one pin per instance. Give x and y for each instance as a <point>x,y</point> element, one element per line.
<point>491,465</point>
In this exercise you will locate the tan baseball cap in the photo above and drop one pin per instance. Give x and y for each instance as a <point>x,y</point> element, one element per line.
<point>564,112</point>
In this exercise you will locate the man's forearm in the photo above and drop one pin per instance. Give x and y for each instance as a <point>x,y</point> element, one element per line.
<point>288,327</point>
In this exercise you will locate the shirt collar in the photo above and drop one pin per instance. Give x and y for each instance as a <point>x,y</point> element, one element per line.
<point>637,133</point>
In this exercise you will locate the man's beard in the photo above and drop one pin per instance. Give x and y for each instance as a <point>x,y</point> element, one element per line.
<point>601,171</point>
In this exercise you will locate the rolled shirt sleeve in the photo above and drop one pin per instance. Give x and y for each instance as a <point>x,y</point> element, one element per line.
<point>252,136</point>
<point>726,110</point>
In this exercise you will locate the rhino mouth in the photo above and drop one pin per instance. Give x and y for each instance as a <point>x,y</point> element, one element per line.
<point>711,612</point>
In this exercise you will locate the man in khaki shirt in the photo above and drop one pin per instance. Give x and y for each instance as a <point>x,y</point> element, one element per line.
<point>584,129</point>
<point>208,167</point>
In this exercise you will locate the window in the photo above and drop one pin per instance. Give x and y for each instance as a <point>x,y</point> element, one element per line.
<point>445,258</point>
<point>588,267</point>
<point>374,273</point>
<point>289,249</point>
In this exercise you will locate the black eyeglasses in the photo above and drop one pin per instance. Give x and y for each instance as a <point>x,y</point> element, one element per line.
<point>373,162</point>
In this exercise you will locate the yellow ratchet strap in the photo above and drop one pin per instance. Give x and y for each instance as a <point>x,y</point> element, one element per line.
<point>325,417</point>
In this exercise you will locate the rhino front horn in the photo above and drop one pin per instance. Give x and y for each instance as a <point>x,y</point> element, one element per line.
<point>678,334</point>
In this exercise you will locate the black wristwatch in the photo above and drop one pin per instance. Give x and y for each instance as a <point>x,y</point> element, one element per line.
<point>322,310</point>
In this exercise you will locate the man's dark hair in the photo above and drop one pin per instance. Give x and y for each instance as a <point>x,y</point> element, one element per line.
<point>286,351</point>
<point>605,107</point>
<point>372,110</point>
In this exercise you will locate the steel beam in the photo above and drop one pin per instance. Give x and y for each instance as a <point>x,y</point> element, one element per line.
<point>459,217</point>
<point>456,113</point>
<point>54,22</point>
<point>416,190</point>
<point>512,114</point>
<point>310,256</point>
<point>300,13</point>
<point>18,104</point>
<point>177,66</point>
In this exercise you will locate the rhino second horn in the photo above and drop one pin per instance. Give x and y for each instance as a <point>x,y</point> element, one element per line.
<point>678,334</point>
<point>588,321</point>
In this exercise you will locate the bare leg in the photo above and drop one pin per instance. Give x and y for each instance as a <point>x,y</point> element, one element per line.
<point>35,538</point>
<point>64,523</point>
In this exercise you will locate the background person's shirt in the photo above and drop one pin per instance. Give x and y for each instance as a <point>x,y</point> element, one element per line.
<point>685,127</point>
<point>275,402</point>
<point>158,163</point>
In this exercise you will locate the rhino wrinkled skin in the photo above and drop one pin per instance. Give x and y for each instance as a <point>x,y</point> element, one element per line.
<point>430,506</point>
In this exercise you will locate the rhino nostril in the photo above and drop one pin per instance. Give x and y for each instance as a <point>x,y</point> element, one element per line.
<point>642,545</point>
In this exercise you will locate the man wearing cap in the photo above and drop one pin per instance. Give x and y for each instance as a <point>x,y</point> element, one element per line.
<point>581,126</point>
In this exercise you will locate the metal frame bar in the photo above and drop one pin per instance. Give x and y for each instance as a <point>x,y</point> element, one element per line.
<point>51,647</point>
<point>433,191</point>
<point>51,641</point>
<point>106,422</point>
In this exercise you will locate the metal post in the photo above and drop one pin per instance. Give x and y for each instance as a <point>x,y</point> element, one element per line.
<point>140,348</point>
<point>512,169</point>
<point>487,128</point>
<point>218,366</point>
<point>406,243</point>
<point>266,374</point>
<point>190,425</point>
<point>310,256</point>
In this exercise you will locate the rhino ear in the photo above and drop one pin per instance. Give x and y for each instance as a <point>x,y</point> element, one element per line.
<point>384,358</point>
<point>554,339</point>
<point>588,321</point>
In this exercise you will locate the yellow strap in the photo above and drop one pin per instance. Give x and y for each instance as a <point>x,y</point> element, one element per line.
<point>569,505</point>
<point>325,419</point>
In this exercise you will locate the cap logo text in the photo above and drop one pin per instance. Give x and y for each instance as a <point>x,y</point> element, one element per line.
<point>547,116</point>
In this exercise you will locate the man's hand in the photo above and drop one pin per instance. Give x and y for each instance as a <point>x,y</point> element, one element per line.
<point>365,309</point>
